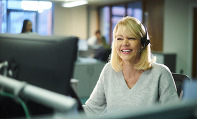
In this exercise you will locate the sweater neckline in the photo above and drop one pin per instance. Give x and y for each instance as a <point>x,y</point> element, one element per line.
<point>137,84</point>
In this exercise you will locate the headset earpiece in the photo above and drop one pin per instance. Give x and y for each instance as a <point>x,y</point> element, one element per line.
<point>146,43</point>
<point>144,40</point>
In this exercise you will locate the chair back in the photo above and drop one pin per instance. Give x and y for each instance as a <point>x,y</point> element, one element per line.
<point>179,80</point>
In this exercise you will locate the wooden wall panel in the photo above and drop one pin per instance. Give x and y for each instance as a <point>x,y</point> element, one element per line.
<point>155,21</point>
<point>194,59</point>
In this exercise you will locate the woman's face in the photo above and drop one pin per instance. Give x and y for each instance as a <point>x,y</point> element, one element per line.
<point>29,26</point>
<point>127,45</point>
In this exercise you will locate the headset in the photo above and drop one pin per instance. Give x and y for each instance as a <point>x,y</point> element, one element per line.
<point>144,40</point>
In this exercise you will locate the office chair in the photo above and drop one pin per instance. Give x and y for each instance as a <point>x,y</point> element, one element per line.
<point>179,80</point>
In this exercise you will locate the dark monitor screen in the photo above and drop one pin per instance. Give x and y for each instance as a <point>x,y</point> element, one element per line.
<point>43,61</point>
<point>183,110</point>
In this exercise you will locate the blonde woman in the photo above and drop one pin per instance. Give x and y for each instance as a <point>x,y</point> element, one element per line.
<point>131,78</point>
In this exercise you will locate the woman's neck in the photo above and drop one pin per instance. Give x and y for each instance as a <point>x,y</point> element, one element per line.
<point>130,64</point>
<point>129,69</point>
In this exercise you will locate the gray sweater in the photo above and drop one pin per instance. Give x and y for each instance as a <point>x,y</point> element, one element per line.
<point>111,92</point>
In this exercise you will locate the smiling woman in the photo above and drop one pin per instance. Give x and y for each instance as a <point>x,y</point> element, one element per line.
<point>134,37</point>
<point>131,79</point>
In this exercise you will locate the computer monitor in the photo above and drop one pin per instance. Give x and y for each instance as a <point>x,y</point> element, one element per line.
<point>183,110</point>
<point>43,61</point>
<point>189,88</point>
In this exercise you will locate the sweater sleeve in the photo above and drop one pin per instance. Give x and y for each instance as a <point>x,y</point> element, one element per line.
<point>167,88</point>
<point>96,104</point>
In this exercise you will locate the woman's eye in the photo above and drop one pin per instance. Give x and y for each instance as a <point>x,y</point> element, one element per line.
<point>132,38</point>
<point>119,38</point>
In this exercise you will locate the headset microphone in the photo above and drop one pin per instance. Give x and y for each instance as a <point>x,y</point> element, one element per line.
<point>140,50</point>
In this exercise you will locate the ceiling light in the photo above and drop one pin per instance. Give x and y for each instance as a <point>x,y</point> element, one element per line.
<point>75,3</point>
<point>36,5</point>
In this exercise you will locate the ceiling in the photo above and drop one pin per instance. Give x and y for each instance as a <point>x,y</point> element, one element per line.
<point>94,2</point>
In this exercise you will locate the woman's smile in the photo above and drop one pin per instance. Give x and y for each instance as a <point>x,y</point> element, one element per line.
<point>126,51</point>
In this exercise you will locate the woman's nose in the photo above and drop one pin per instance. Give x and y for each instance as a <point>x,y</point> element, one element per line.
<point>125,42</point>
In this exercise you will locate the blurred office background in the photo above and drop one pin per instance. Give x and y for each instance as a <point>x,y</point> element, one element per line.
<point>171,24</point>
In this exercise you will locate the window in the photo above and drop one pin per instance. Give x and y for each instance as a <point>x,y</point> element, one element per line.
<point>15,12</point>
<point>105,23</point>
<point>15,20</point>
<point>110,15</point>
<point>3,12</point>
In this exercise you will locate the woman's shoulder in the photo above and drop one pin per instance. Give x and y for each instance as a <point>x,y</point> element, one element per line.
<point>108,70</point>
<point>160,67</point>
<point>160,72</point>
<point>107,73</point>
<point>108,67</point>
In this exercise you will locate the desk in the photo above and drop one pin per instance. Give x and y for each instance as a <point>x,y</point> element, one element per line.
<point>87,71</point>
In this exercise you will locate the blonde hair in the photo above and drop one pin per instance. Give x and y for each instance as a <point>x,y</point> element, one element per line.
<point>134,27</point>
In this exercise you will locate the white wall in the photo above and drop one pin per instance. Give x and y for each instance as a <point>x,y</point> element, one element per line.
<point>73,21</point>
<point>178,32</point>
<point>70,21</point>
<point>93,25</point>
